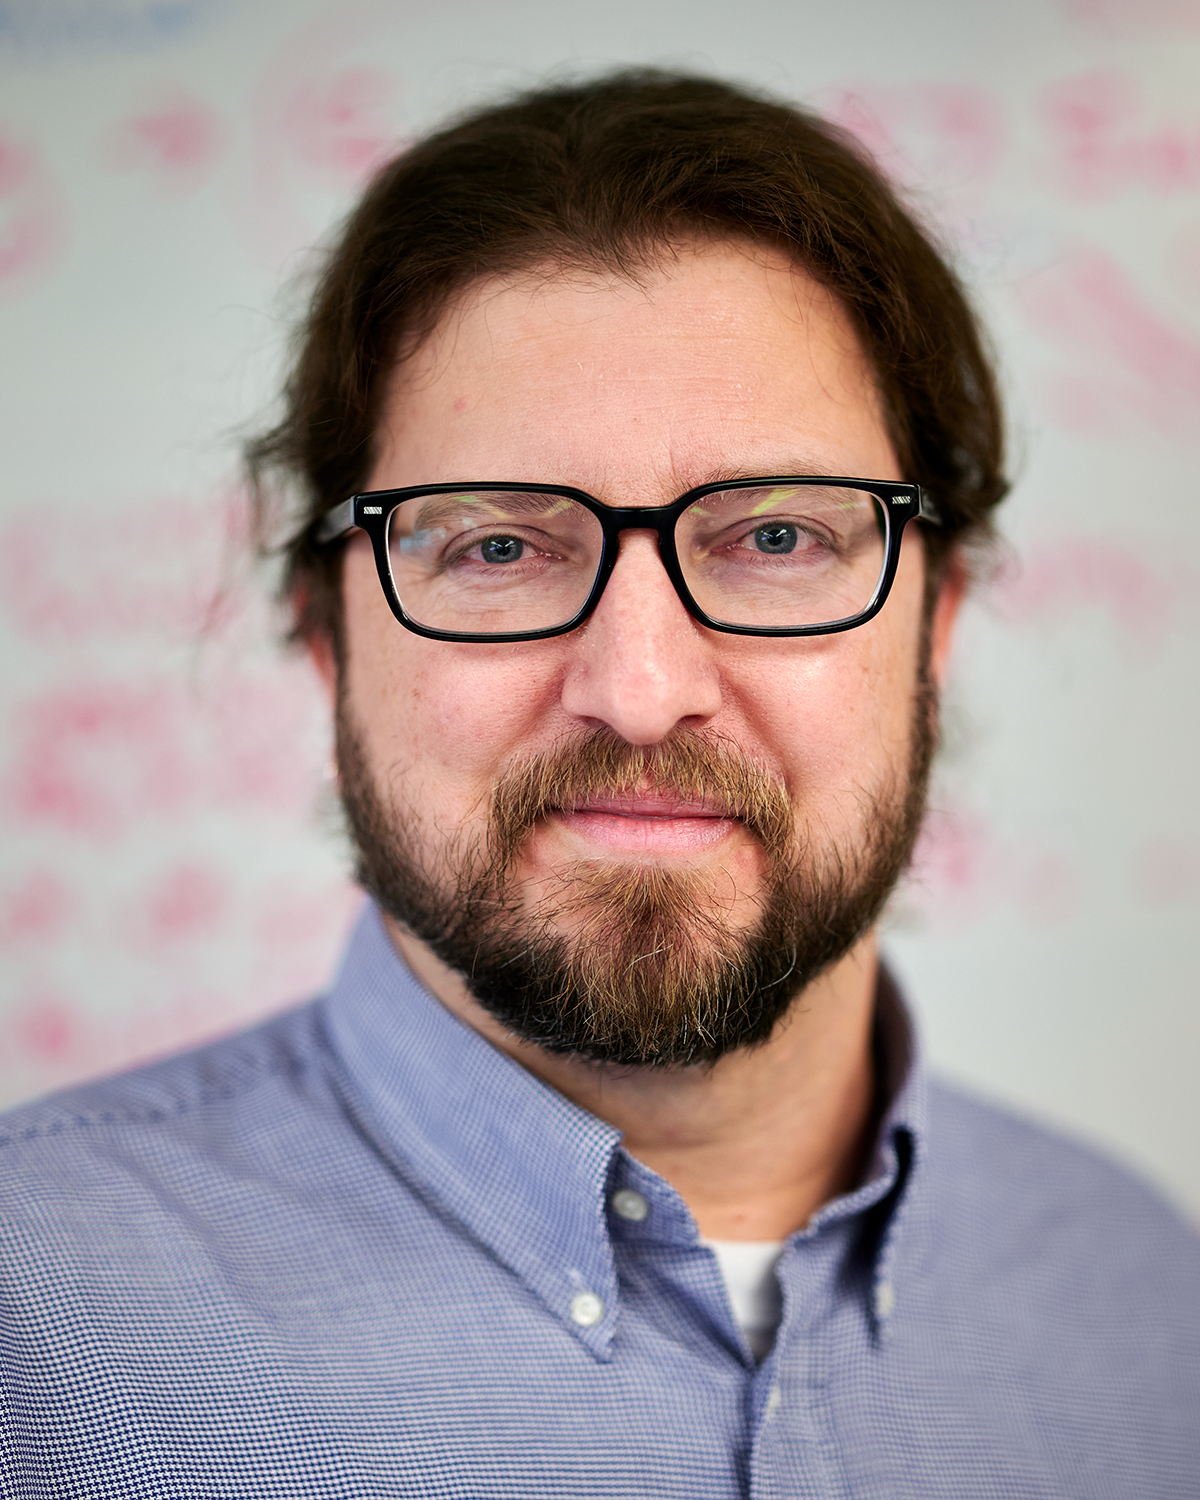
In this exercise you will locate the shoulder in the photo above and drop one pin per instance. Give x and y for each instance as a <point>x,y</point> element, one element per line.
<point>1048,1291</point>
<point>223,1099</point>
<point>1026,1167</point>
<point>1024,1211</point>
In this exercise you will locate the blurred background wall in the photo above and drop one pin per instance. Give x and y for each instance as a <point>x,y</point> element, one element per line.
<point>172,862</point>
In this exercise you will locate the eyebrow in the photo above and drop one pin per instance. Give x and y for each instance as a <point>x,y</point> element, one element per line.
<point>804,468</point>
<point>500,504</point>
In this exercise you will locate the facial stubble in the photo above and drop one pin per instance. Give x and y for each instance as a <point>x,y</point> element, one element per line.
<point>653,971</point>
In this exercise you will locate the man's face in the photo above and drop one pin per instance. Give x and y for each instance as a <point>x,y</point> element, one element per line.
<point>722,361</point>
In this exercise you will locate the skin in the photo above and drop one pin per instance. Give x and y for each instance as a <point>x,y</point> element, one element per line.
<point>723,358</point>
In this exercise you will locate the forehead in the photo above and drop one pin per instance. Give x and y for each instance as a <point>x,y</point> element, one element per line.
<point>716,359</point>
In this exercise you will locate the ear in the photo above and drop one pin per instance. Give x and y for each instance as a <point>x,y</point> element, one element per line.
<point>945,614</point>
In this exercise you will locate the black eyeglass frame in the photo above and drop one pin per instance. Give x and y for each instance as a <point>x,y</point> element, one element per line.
<point>371,511</point>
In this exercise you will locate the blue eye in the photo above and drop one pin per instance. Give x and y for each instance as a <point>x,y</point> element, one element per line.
<point>501,549</point>
<point>775,536</point>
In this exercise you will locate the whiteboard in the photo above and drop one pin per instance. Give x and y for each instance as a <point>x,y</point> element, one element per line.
<point>172,861</point>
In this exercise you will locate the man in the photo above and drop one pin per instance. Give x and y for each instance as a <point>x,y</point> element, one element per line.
<point>608,1167</point>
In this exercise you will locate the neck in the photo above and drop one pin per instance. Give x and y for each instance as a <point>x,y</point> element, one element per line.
<point>754,1143</point>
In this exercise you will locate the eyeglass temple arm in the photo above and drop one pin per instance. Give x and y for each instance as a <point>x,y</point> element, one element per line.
<point>926,509</point>
<point>336,523</point>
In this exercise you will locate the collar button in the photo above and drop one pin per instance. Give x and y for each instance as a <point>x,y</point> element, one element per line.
<point>630,1205</point>
<point>586,1309</point>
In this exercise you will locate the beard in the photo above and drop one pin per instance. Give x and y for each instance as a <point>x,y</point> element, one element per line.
<point>653,972</point>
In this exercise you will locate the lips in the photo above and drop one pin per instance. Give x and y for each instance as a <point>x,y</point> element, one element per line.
<point>647,823</point>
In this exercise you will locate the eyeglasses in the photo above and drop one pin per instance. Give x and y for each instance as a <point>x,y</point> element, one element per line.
<point>521,562</point>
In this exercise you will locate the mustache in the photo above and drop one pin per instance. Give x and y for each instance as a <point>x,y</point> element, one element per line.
<point>688,764</point>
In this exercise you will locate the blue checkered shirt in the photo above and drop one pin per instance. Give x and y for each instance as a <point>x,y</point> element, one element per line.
<point>357,1252</point>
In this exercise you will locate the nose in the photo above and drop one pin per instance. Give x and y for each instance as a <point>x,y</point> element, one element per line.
<point>641,664</point>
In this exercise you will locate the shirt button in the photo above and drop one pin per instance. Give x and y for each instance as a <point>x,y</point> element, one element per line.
<point>885,1298</point>
<point>773,1400</point>
<point>630,1205</point>
<point>586,1309</point>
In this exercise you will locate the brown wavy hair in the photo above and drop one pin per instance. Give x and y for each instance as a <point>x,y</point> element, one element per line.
<point>610,174</point>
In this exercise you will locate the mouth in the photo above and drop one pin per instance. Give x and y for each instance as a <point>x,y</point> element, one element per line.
<point>650,821</point>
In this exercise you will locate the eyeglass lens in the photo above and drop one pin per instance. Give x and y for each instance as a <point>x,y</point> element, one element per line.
<point>780,556</point>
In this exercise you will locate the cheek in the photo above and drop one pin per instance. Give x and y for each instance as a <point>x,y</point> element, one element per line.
<point>439,720</point>
<point>838,709</point>
<point>890,667</point>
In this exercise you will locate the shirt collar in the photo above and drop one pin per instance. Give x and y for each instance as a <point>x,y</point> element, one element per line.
<point>523,1168</point>
<point>527,1172</point>
<point>901,1146</point>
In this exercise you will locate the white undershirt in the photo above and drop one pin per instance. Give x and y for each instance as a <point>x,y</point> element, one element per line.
<point>748,1267</point>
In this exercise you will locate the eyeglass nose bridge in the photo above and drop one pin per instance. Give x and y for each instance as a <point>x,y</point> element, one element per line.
<point>660,519</point>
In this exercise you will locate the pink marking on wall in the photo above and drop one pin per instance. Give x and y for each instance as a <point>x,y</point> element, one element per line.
<point>175,142</point>
<point>957,868</point>
<point>34,219</point>
<point>97,758</point>
<point>289,915</point>
<point>48,1042</point>
<point>950,136</point>
<point>153,565</point>
<point>338,124</point>
<point>1060,578</point>
<point>46,1029</point>
<point>74,572</point>
<point>92,756</point>
<point>172,937</point>
<point>261,731</point>
<point>1046,888</point>
<point>184,902</point>
<point>1101,145</point>
<point>324,120</point>
<point>18,165</point>
<point>1166,872</point>
<point>964,870</point>
<point>192,1014</point>
<point>37,908</point>
<point>1130,364</point>
<point>299,931</point>
<point>187,1019</point>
